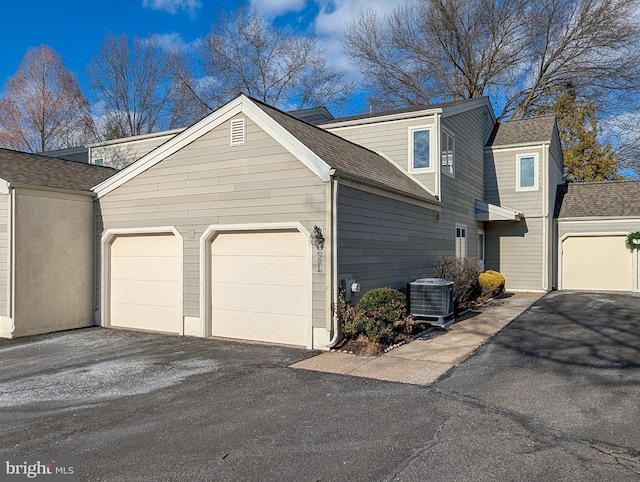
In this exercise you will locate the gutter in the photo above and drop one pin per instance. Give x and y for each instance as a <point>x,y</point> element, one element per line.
<point>334,261</point>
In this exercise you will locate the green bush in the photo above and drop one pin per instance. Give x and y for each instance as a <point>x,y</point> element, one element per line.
<point>380,317</point>
<point>464,274</point>
<point>491,282</point>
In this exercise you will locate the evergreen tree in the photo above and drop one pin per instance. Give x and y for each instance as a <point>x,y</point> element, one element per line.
<point>585,157</point>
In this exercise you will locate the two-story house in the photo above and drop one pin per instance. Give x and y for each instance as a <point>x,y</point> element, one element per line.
<point>233,204</point>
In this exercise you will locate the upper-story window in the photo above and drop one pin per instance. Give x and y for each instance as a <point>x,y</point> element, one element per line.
<point>447,154</point>
<point>420,149</point>
<point>527,173</point>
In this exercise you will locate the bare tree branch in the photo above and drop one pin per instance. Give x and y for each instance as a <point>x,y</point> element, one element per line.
<point>43,108</point>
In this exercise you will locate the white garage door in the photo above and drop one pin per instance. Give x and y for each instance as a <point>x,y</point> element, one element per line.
<point>260,286</point>
<point>596,263</point>
<point>145,283</point>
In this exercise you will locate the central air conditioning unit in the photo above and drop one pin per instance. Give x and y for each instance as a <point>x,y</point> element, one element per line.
<point>432,298</point>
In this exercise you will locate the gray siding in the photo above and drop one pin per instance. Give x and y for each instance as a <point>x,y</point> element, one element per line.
<point>515,249</point>
<point>597,226</point>
<point>459,193</point>
<point>500,180</point>
<point>129,150</point>
<point>390,138</point>
<point>4,254</point>
<point>385,242</point>
<point>210,182</point>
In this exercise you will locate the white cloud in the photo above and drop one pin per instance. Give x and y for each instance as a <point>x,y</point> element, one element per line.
<point>173,6</point>
<point>174,41</point>
<point>335,16</point>
<point>274,8</point>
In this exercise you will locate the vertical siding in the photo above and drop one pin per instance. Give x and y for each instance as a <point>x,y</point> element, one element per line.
<point>210,182</point>
<point>4,254</point>
<point>385,242</point>
<point>515,249</point>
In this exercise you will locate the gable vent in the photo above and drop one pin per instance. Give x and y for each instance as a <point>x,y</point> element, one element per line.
<point>238,132</point>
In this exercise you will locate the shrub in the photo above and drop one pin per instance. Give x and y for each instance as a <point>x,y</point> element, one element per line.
<point>380,317</point>
<point>491,282</point>
<point>464,274</point>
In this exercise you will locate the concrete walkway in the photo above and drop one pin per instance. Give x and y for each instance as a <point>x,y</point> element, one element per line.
<point>422,362</point>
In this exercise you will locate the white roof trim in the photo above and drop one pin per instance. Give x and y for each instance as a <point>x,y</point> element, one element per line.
<point>140,137</point>
<point>490,212</point>
<point>240,104</point>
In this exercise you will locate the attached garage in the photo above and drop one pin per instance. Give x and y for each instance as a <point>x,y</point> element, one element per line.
<point>260,286</point>
<point>144,282</point>
<point>596,263</point>
<point>593,220</point>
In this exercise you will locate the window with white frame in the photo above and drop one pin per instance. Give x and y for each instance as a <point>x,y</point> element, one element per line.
<point>461,241</point>
<point>99,161</point>
<point>420,150</point>
<point>447,152</point>
<point>527,173</point>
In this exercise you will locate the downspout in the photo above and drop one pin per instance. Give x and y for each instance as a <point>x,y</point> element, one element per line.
<point>334,263</point>
<point>12,260</point>
<point>545,217</point>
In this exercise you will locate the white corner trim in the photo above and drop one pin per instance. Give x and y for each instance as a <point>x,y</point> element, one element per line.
<point>105,252</point>
<point>205,267</point>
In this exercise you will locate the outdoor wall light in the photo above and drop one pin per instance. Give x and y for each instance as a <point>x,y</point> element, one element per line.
<point>317,238</point>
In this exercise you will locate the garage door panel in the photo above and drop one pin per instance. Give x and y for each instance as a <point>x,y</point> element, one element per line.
<point>260,298</point>
<point>596,263</point>
<point>260,286</point>
<point>144,285</point>
<point>148,318</point>
<point>146,293</point>
<point>271,244</point>
<point>151,245</point>
<point>260,270</point>
<point>272,328</point>
<point>149,268</point>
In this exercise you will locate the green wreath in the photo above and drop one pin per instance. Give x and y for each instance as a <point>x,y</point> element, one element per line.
<point>633,241</point>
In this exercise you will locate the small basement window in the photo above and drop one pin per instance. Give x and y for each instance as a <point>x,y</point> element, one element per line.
<point>99,161</point>
<point>238,132</point>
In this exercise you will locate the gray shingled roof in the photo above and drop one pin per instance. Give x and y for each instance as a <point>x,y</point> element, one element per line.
<point>42,171</point>
<point>415,108</point>
<point>598,199</point>
<point>346,157</point>
<point>523,131</point>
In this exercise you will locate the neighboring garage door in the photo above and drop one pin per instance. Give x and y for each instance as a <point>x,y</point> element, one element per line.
<point>145,283</point>
<point>596,263</point>
<point>260,286</point>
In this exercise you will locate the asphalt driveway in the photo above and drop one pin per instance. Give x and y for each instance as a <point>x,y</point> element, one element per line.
<point>553,396</point>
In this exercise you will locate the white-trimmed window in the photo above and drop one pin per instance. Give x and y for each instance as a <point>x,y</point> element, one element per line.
<point>447,153</point>
<point>420,149</point>
<point>99,161</point>
<point>461,241</point>
<point>527,173</point>
<point>238,132</point>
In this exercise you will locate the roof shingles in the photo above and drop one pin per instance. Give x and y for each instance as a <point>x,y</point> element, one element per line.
<point>598,199</point>
<point>348,158</point>
<point>523,131</point>
<point>42,171</point>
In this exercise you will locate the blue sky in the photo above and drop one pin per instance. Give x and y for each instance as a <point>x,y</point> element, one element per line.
<point>76,29</point>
